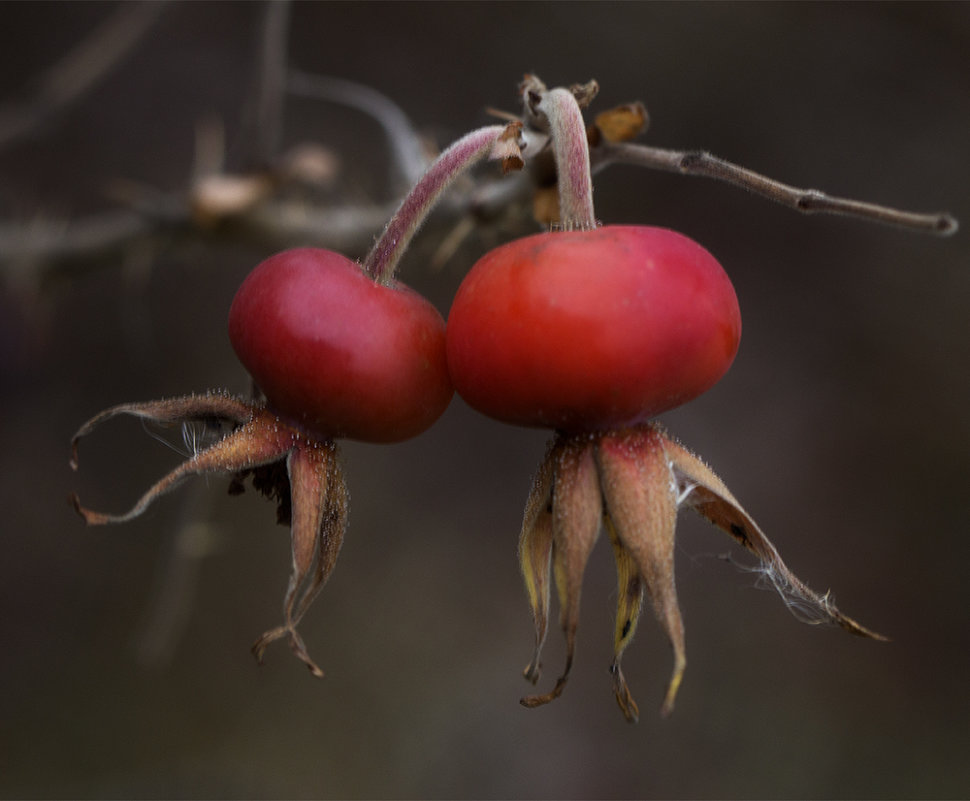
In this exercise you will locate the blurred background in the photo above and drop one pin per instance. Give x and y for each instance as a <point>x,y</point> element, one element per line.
<point>842,427</point>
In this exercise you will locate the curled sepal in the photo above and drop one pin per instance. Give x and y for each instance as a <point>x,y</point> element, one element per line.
<point>535,557</point>
<point>641,505</point>
<point>257,440</point>
<point>188,408</point>
<point>319,519</point>
<point>701,490</point>
<point>628,603</point>
<point>311,494</point>
<point>634,480</point>
<point>576,511</point>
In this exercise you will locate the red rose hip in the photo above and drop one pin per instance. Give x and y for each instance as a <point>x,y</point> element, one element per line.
<point>589,330</point>
<point>337,353</point>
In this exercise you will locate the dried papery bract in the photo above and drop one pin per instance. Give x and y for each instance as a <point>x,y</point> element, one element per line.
<point>632,481</point>
<point>314,496</point>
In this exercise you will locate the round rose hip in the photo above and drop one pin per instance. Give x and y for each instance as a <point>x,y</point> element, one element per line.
<point>338,353</point>
<point>590,330</point>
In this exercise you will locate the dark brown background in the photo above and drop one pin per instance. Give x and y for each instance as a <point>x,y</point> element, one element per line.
<point>842,427</point>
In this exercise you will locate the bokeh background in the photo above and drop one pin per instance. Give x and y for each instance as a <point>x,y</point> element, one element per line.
<point>842,428</point>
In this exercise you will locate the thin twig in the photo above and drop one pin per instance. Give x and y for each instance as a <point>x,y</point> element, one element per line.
<point>80,69</point>
<point>807,201</point>
<point>271,81</point>
<point>409,158</point>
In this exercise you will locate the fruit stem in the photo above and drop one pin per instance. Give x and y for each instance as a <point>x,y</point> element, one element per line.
<point>570,148</point>
<point>494,141</point>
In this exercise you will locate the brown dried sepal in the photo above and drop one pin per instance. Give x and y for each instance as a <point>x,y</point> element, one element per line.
<point>573,498</point>
<point>633,481</point>
<point>311,495</point>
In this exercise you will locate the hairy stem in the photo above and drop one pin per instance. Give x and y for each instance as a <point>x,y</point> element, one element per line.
<point>384,256</point>
<point>571,150</point>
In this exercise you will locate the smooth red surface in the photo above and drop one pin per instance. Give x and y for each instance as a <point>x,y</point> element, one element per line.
<point>587,330</point>
<point>337,353</point>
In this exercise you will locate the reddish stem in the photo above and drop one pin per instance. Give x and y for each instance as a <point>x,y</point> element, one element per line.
<point>571,150</point>
<point>382,260</point>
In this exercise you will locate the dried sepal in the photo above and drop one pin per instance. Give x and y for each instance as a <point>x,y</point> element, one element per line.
<point>310,491</point>
<point>535,556</point>
<point>576,511</point>
<point>333,526</point>
<point>257,441</point>
<point>704,492</point>
<point>188,408</point>
<point>633,481</point>
<point>319,519</point>
<point>628,604</point>
<point>642,505</point>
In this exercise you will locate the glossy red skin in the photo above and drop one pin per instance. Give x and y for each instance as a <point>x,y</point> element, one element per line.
<point>338,354</point>
<point>590,330</point>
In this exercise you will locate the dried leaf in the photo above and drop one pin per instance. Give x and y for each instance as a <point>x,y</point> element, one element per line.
<point>623,123</point>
